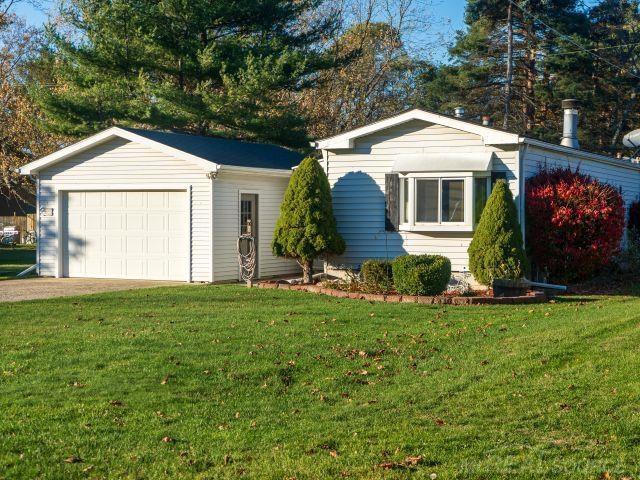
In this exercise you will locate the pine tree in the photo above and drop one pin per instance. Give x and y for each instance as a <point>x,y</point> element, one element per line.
<point>478,75</point>
<point>202,66</point>
<point>496,250</point>
<point>306,228</point>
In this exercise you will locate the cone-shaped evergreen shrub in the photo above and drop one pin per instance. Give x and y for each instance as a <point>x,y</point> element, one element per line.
<point>306,228</point>
<point>496,250</point>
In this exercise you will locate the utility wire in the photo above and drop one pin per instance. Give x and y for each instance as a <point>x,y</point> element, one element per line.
<point>599,48</point>
<point>570,40</point>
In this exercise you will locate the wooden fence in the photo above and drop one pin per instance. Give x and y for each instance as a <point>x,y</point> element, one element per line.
<point>25,223</point>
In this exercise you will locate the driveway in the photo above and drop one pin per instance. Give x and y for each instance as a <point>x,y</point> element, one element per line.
<point>34,288</point>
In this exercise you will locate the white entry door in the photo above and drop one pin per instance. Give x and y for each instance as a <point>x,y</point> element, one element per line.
<point>126,234</point>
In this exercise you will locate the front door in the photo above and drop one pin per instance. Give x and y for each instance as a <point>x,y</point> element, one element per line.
<point>249,223</point>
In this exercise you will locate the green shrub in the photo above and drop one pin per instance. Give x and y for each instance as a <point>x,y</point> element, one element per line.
<point>306,228</point>
<point>421,274</point>
<point>377,275</point>
<point>496,250</point>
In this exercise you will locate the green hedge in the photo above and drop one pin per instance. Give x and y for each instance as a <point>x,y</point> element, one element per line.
<point>421,274</point>
<point>377,275</point>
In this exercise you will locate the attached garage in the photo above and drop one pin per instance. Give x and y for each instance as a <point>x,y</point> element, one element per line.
<point>141,204</point>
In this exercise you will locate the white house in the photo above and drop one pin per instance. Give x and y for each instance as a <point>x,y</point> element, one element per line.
<point>142,204</point>
<point>417,182</point>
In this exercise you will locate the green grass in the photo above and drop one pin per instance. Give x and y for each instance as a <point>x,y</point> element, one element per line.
<point>271,385</point>
<point>14,260</point>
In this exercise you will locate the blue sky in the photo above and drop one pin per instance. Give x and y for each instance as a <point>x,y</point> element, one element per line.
<point>446,15</point>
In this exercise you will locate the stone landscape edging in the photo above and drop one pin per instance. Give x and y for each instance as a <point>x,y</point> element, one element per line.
<point>533,297</point>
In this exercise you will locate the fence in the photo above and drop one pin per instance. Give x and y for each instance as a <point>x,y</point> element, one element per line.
<point>25,223</point>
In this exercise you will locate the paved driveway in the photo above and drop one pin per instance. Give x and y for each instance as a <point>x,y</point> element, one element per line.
<point>33,288</point>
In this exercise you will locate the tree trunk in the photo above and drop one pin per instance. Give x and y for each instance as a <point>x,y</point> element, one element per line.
<point>507,90</point>
<point>307,271</point>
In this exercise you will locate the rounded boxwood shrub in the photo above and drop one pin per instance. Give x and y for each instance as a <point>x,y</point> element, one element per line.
<point>421,274</point>
<point>377,275</point>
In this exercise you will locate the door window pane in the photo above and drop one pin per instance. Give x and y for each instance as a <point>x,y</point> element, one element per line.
<point>246,217</point>
<point>453,200</point>
<point>427,201</point>
<point>481,192</point>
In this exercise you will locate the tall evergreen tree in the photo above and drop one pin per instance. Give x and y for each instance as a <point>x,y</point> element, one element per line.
<point>478,76</point>
<point>306,228</point>
<point>205,66</point>
<point>606,77</point>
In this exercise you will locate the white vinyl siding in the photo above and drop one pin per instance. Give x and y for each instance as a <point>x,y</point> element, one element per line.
<point>357,178</point>
<point>627,180</point>
<point>126,164</point>
<point>227,188</point>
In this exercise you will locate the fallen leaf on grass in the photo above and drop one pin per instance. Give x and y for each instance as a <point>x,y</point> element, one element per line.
<point>73,459</point>
<point>333,453</point>
<point>116,403</point>
<point>439,422</point>
<point>167,440</point>
<point>408,462</point>
<point>165,380</point>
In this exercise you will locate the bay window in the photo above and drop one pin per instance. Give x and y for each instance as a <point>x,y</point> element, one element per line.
<point>443,202</point>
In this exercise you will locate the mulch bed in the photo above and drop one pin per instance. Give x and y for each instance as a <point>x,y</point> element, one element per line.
<point>620,284</point>
<point>531,297</point>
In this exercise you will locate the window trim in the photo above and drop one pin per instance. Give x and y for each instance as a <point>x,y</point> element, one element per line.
<point>409,180</point>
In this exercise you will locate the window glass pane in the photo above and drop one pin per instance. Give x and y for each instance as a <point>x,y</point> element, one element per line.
<point>480,200</point>
<point>426,200</point>
<point>453,200</point>
<point>405,200</point>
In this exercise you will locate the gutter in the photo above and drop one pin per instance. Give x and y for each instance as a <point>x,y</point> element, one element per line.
<point>272,172</point>
<point>579,153</point>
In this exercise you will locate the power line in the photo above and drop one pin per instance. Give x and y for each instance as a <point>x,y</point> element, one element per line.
<point>599,48</point>
<point>570,40</point>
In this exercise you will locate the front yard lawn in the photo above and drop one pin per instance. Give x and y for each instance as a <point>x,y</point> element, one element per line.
<point>226,382</point>
<point>14,260</point>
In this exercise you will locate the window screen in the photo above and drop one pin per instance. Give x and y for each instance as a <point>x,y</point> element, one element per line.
<point>427,201</point>
<point>481,192</point>
<point>453,200</point>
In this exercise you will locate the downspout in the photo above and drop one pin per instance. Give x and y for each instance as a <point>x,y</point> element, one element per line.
<point>36,179</point>
<point>212,176</point>
<point>522,153</point>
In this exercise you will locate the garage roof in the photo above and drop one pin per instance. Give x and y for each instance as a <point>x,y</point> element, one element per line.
<point>225,151</point>
<point>208,152</point>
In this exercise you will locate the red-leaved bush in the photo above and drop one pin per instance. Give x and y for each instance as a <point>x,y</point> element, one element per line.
<point>574,223</point>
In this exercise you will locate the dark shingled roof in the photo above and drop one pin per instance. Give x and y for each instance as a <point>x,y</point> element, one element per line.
<point>225,151</point>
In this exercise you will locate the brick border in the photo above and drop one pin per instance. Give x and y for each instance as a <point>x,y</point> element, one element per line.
<point>533,297</point>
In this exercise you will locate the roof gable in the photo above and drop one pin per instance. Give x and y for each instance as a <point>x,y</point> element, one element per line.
<point>207,152</point>
<point>490,136</point>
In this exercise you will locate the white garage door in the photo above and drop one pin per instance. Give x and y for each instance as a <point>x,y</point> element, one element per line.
<point>137,234</point>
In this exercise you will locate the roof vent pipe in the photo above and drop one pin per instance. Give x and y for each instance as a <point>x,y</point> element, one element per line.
<point>570,128</point>
<point>459,112</point>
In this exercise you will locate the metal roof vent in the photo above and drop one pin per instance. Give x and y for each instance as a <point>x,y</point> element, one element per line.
<point>570,128</point>
<point>459,112</point>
